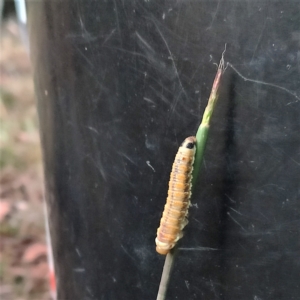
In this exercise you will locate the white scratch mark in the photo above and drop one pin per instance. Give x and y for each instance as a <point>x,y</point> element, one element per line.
<point>148,163</point>
<point>127,157</point>
<point>89,291</point>
<point>109,36</point>
<point>117,15</point>
<point>214,16</point>
<point>204,163</point>
<point>267,84</point>
<point>128,253</point>
<point>197,220</point>
<point>92,129</point>
<point>198,249</point>
<point>230,198</point>
<point>297,163</point>
<point>187,284</point>
<point>173,62</point>
<point>77,251</point>
<point>160,95</point>
<point>243,247</point>
<point>99,167</point>
<point>144,42</point>
<point>194,205</point>
<point>149,100</point>
<point>236,211</point>
<point>81,24</point>
<point>259,39</point>
<point>264,216</point>
<point>126,51</point>
<point>235,221</point>
<point>79,270</point>
<point>213,287</point>
<point>85,58</point>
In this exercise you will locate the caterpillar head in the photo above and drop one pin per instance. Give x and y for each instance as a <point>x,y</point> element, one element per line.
<point>189,142</point>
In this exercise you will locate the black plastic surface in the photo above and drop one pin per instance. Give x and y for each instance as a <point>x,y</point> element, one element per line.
<point>119,85</point>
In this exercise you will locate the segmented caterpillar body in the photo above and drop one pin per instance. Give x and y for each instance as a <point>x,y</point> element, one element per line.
<point>174,217</point>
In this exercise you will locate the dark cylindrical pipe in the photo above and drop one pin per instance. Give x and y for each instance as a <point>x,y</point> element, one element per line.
<point>119,85</point>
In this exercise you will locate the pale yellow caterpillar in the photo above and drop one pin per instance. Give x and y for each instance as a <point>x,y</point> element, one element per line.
<point>174,217</point>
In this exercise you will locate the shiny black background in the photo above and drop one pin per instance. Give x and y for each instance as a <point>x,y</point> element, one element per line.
<point>119,85</point>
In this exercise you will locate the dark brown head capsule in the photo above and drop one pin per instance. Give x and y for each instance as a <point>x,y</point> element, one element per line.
<point>189,142</point>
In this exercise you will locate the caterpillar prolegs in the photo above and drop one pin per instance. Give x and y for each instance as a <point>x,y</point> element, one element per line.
<point>174,217</point>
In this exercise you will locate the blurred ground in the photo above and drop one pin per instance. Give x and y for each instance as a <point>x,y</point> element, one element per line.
<point>23,254</point>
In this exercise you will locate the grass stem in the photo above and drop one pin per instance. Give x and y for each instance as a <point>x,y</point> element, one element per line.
<point>201,138</point>
<point>165,277</point>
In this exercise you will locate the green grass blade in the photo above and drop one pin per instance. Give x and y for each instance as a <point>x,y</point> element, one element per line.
<point>203,129</point>
<point>201,138</point>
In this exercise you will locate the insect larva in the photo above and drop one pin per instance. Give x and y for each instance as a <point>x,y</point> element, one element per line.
<point>174,217</point>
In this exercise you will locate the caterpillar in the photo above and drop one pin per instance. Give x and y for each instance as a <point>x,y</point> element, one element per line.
<point>174,217</point>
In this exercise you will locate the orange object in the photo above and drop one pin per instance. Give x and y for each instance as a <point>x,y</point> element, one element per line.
<point>174,217</point>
